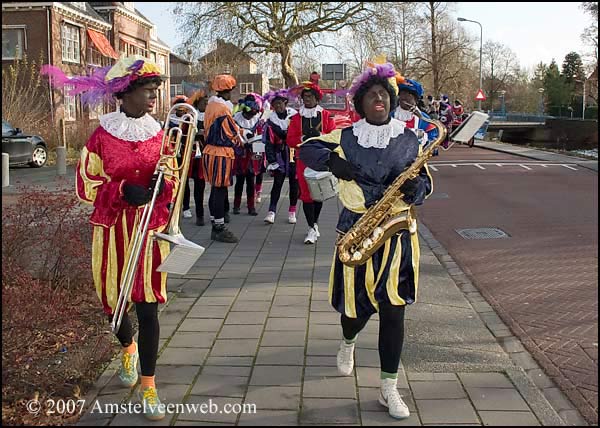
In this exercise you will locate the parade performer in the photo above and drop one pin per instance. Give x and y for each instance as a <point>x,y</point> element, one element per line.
<point>187,213</point>
<point>311,121</point>
<point>115,174</point>
<point>246,166</point>
<point>222,135</point>
<point>367,157</point>
<point>409,93</point>
<point>199,101</point>
<point>280,159</point>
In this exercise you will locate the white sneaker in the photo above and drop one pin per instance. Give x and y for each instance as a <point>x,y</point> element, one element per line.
<point>187,214</point>
<point>317,230</point>
<point>390,398</point>
<point>270,218</point>
<point>311,236</point>
<point>291,217</point>
<point>258,198</point>
<point>345,359</point>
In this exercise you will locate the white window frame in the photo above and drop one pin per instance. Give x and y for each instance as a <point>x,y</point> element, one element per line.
<point>96,112</point>
<point>246,88</point>
<point>71,45</point>
<point>18,52</point>
<point>69,104</point>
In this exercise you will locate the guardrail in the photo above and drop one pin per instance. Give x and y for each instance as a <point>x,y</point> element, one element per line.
<point>518,117</point>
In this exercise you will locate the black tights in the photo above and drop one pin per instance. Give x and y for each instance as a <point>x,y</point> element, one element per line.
<point>311,212</point>
<point>147,314</point>
<point>278,180</point>
<point>217,202</point>
<point>198,196</point>
<point>391,334</point>
<point>240,179</point>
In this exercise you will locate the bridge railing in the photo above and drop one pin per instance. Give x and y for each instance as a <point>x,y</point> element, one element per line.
<point>518,117</point>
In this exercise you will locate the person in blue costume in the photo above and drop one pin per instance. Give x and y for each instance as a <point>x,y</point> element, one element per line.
<point>367,157</point>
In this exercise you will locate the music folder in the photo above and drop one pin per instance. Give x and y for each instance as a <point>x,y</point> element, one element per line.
<point>469,127</point>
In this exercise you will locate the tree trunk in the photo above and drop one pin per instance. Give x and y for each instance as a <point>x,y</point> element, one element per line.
<point>434,59</point>
<point>289,75</point>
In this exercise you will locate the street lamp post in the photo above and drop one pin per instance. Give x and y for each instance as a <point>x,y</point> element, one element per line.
<point>480,53</point>
<point>583,100</point>
<point>541,91</point>
<point>502,93</point>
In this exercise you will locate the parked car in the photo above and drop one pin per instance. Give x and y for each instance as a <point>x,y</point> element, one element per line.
<point>23,149</point>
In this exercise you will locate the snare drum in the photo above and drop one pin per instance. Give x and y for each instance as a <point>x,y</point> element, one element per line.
<point>322,185</point>
<point>258,147</point>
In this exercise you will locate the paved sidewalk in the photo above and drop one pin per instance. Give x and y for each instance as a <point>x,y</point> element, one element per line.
<point>250,323</point>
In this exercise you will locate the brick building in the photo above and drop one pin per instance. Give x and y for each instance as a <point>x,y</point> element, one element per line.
<point>77,37</point>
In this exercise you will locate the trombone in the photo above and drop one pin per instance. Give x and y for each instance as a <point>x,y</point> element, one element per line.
<point>184,253</point>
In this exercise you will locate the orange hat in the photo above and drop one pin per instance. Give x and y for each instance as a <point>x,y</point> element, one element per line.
<point>223,82</point>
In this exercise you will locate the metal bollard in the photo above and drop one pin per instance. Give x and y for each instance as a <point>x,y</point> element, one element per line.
<point>61,160</point>
<point>500,135</point>
<point>5,170</point>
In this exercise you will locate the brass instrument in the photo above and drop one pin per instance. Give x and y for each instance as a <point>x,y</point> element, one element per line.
<point>379,222</point>
<point>184,253</point>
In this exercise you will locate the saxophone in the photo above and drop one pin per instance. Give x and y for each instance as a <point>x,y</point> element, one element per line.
<point>379,223</point>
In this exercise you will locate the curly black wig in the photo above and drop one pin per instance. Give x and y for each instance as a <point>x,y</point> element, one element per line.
<point>375,80</point>
<point>311,91</point>
<point>139,83</point>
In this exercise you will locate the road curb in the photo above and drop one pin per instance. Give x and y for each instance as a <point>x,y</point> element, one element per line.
<point>540,391</point>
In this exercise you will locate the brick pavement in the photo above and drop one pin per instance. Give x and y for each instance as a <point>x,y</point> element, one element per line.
<point>250,324</point>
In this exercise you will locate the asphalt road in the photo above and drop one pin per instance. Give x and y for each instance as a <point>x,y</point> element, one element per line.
<point>542,278</point>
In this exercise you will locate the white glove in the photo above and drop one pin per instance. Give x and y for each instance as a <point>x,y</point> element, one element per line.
<point>272,166</point>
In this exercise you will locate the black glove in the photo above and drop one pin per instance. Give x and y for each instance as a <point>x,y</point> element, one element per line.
<point>341,168</point>
<point>248,146</point>
<point>409,190</point>
<point>310,133</point>
<point>136,194</point>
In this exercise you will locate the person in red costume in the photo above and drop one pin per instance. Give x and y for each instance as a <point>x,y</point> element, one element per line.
<point>311,121</point>
<point>115,174</point>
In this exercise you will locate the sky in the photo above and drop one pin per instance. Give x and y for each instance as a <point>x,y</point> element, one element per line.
<point>533,31</point>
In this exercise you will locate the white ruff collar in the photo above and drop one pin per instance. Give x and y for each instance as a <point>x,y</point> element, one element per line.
<point>246,123</point>
<point>127,128</point>
<point>310,112</point>
<point>215,99</point>
<point>283,123</point>
<point>377,136</point>
<point>403,115</point>
<point>201,115</point>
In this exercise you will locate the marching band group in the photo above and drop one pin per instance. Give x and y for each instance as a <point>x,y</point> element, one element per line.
<point>260,135</point>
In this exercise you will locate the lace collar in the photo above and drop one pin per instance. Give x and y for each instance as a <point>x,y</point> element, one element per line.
<point>216,99</point>
<point>377,136</point>
<point>121,126</point>
<point>246,123</point>
<point>403,115</point>
<point>310,112</point>
<point>285,122</point>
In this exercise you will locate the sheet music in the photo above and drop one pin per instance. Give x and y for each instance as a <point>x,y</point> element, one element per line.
<point>469,127</point>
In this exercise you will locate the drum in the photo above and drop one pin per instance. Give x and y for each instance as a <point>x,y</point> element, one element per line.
<point>322,185</point>
<point>258,147</point>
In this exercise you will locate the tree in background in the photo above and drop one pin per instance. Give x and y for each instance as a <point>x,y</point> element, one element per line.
<point>499,66</point>
<point>590,34</point>
<point>557,92</point>
<point>268,27</point>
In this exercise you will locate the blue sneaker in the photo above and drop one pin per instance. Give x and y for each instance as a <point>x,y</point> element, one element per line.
<point>128,371</point>
<point>153,409</point>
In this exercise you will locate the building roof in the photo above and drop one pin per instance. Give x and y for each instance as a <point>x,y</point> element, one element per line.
<point>181,59</point>
<point>222,45</point>
<point>86,13</point>
<point>89,10</point>
<point>121,7</point>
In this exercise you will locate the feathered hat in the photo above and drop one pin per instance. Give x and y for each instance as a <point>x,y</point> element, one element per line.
<point>409,85</point>
<point>101,84</point>
<point>271,96</point>
<point>297,90</point>
<point>385,70</point>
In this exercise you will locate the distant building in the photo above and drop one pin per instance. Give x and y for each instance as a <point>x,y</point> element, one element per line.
<point>77,37</point>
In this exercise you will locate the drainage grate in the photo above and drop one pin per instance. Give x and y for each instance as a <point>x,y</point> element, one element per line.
<point>482,233</point>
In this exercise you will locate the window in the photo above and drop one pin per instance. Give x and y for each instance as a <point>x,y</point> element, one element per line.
<point>97,111</point>
<point>70,43</point>
<point>129,49</point>
<point>78,4</point>
<point>13,43</point>
<point>176,89</point>
<point>246,88</point>
<point>161,61</point>
<point>70,104</point>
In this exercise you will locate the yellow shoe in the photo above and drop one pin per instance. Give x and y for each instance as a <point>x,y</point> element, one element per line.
<point>128,371</point>
<point>152,407</point>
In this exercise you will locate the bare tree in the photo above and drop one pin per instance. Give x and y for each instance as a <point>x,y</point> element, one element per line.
<point>445,49</point>
<point>499,65</point>
<point>269,27</point>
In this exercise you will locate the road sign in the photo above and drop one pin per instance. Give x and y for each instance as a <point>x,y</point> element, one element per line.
<point>480,96</point>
